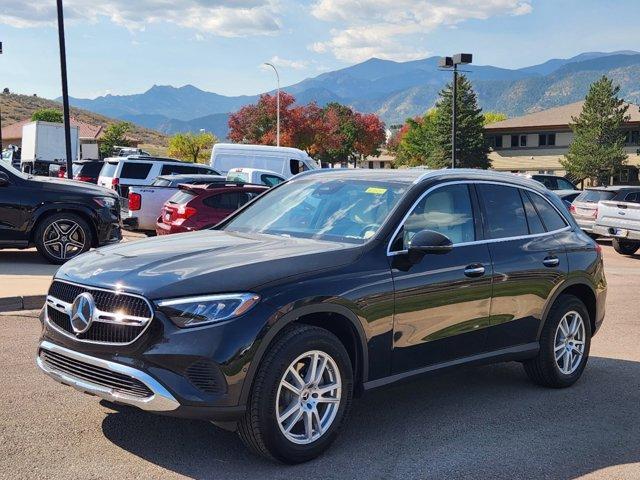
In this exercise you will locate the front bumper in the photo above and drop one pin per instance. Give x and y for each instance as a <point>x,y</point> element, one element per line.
<point>613,232</point>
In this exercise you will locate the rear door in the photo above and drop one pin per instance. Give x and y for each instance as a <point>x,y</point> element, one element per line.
<point>441,303</point>
<point>522,231</point>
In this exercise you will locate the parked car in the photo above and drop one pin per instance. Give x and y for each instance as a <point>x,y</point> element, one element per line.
<point>255,176</point>
<point>568,196</point>
<point>61,218</point>
<point>554,182</point>
<point>585,206</point>
<point>87,170</point>
<point>145,203</point>
<point>120,173</point>
<point>619,219</point>
<point>324,287</point>
<point>285,161</point>
<point>195,207</point>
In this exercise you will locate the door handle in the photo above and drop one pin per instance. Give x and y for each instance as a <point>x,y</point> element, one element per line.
<point>475,270</point>
<point>551,262</point>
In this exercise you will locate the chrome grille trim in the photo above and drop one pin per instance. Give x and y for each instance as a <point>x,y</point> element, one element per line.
<point>109,380</point>
<point>101,316</point>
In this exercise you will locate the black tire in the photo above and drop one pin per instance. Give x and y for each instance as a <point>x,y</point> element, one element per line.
<point>625,247</point>
<point>82,236</point>
<point>259,429</point>
<point>543,369</point>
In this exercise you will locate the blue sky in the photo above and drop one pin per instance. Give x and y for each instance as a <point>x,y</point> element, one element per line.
<point>126,46</point>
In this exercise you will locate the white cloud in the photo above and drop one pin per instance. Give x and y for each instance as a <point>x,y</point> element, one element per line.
<point>227,18</point>
<point>286,63</point>
<point>384,28</point>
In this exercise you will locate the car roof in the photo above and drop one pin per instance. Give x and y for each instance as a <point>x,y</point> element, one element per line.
<point>196,176</point>
<point>610,188</point>
<point>143,158</point>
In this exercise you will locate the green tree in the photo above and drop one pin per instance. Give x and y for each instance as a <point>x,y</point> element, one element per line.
<point>47,115</point>
<point>493,117</point>
<point>114,135</point>
<point>471,149</point>
<point>597,150</point>
<point>416,145</point>
<point>192,147</point>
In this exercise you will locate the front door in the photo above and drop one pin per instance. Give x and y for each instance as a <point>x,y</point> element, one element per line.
<point>12,210</point>
<point>441,303</point>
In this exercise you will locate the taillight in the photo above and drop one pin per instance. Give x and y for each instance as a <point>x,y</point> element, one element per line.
<point>83,178</point>
<point>183,213</point>
<point>572,208</point>
<point>135,201</point>
<point>115,182</point>
<point>62,173</point>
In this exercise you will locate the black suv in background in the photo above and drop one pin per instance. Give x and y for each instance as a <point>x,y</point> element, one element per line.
<point>62,218</point>
<point>328,285</point>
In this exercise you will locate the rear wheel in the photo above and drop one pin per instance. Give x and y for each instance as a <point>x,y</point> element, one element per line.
<point>625,247</point>
<point>564,345</point>
<point>62,236</point>
<point>300,398</point>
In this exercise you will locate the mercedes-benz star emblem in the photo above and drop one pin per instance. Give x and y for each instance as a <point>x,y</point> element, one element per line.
<point>82,313</point>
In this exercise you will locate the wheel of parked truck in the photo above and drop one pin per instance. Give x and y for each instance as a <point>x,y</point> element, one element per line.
<point>625,247</point>
<point>564,345</point>
<point>300,397</point>
<point>62,236</point>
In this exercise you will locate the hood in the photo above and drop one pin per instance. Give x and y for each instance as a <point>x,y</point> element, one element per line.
<point>63,184</point>
<point>203,262</point>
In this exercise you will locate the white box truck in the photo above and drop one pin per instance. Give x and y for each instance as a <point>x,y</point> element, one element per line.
<point>43,145</point>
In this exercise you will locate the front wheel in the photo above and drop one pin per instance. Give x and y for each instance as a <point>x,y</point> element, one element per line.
<point>62,236</point>
<point>564,345</point>
<point>625,247</point>
<point>301,396</point>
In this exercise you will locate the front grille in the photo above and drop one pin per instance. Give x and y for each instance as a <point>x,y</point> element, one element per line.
<point>105,300</point>
<point>118,382</point>
<point>114,305</point>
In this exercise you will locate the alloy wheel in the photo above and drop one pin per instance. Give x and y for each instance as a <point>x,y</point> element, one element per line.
<point>64,239</point>
<point>308,397</point>
<point>569,342</point>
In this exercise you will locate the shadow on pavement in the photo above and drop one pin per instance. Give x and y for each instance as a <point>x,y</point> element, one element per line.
<point>485,422</point>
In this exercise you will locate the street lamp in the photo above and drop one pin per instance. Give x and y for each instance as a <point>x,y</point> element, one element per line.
<point>453,62</point>
<point>65,91</point>
<point>277,103</point>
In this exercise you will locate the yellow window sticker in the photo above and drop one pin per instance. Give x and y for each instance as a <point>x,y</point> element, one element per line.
<point>376,190</point>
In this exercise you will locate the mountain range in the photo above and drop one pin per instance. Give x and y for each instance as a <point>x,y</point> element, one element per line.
<point>393,90</point>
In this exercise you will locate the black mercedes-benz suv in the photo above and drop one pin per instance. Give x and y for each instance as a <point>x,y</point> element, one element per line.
<point>62,218</point>
<point>328,285</point>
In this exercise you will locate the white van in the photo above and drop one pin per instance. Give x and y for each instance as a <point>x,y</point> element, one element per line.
<point>285,161</point>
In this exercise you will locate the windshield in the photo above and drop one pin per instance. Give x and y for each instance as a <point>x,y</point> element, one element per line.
<point>108,169</point>
<point>238,177</point>
<point>594,196</point>
<point>161,182</point>
<point>327,209</point>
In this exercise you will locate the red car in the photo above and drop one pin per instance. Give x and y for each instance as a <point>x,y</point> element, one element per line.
<point>195,207</point>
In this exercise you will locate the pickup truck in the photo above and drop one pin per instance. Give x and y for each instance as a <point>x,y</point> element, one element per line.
<point>619,219</point>
<point>146,202</point>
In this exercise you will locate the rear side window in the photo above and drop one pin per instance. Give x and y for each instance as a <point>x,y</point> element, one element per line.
<point>564,184</point>
<point>270,180</point>
<point>594,196</point>
<point>173,169</point>
<point>181,197</point>
<point>161,182</point>
<point>91,169</point>
<point>550,217</point>
<point>135,170</point>
<point>446,210</point>
<point>632,197</point>
<point>108,169</point>
<point>297,166</point>
<point>550,182</point>
<point>535,224</point>
<point>223,201</point>
<point>505,215</point>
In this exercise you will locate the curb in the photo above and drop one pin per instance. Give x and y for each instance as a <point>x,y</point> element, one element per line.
<point>26,302</point>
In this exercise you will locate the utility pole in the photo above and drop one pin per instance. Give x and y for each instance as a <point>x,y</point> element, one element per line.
<point>65,91</point>
<point>452,63</point>
<point>277,104</point>
<point>0,113</point>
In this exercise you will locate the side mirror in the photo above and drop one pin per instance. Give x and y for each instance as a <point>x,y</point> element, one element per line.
<point>428,242</point>
<point>4,179</point>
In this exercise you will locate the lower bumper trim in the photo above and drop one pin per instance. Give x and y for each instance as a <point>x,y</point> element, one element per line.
<point>160,400</point>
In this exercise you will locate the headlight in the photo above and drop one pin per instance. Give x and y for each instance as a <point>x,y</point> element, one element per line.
<point>105,201</point>
<point>196,311</point>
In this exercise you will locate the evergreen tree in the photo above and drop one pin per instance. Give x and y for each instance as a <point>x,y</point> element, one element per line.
<point>471,148</point>
<point>597,150</point>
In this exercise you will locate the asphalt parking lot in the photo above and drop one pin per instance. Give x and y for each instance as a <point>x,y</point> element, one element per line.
<point>483,422</point>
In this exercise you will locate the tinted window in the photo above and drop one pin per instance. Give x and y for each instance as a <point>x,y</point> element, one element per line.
<point>550,182</point>
<point>297,166</point>
<point>550,217</point>
<point>182,196</point>
<point>91,169</point>
<point>594,196</point>
<point>135,170</point>
<point>535,224</point>
<point>446,210</point>
<point>223,201</point>
<point>161,182</point>
<point>504,210</point>
<point>632,197</point>
<point>270,180</point>
<point>564,184</point>
<point>108,169</point>
<point>172,169</point>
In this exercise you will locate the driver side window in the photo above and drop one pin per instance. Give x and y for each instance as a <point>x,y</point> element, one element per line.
<point>446,210</point>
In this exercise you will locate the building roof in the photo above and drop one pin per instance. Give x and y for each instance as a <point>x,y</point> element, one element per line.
<point>86,131</point>
<point>558,117</point>
<point>548,159</point>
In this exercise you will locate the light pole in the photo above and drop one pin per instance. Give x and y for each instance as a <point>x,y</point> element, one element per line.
<point>65,91</point>
<point>453,62</point>
<point>277,103</point>
<point>0,114</point>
